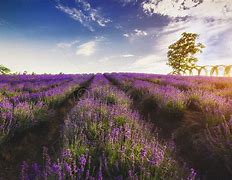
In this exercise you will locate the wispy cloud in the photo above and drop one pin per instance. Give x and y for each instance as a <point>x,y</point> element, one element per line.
<point>74,47</point>
<point>128,55</point>
<point>125,2</point>
<point>86,49</point>
<point>146,61</point>
<point>137,33</point>
<point>151,63</point>
<point>126,35</point>
<point>66,45</point>
<point>116,58</point>
<point>140,32</point>
<point>85,14</point>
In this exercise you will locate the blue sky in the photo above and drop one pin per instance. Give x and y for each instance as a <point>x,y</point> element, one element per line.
<point>77,36</point>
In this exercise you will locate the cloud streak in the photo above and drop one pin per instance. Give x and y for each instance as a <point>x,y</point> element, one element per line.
<point>66,45</point>
<point>125,2</point>
<point>137,33</point>
<point>86,49</point>
<point>127,55</point>
<point>151,63</point>
<point>85,14</point>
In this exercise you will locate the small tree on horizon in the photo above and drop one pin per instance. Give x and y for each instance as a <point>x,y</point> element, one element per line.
<point>4,70</point>
<point>181,53</point>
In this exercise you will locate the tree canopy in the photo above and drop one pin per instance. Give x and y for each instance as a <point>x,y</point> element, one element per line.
<point>4,70</point>
<point>181,53</point>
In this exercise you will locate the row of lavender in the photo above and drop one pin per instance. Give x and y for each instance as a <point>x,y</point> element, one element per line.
<point>218,86</point>
<point>213,96</point>
<point>105,139</point>
<point>201,106</point>
<point>25,100</point>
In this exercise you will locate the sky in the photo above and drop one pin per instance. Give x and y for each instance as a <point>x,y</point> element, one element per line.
<point>82,36</point>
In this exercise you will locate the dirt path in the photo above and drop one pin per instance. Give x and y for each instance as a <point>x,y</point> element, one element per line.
<point>28,144</point>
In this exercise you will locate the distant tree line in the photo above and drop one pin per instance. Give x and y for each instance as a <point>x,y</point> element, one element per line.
<point>4,70</point>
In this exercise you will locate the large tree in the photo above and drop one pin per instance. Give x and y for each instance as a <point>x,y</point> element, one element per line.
<point>181,53</point>
<point>4,70</point>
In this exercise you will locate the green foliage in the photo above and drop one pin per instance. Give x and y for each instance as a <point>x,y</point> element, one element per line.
<point>120,120</point>
<point>181,53</point>
<point>111,99</point>
<point>4,70</point>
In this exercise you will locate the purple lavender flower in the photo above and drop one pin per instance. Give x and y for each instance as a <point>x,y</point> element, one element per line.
<point>192,175</point>
<point>36,169</point>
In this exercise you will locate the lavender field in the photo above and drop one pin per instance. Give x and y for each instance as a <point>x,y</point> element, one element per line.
<point>115,126</point>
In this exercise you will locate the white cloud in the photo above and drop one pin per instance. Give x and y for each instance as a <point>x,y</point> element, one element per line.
<point>116,57</point>
<point>125,2</point>
<point>85,14</point>
<point>66,45</point>
<point>127,55</point>
<point>137,33</point>
<point>147,61</point>
<point>86,49</point>
<point>100,38</point>
<point>126,35</point>
<point>140,32</point>
<point>217,9</point>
